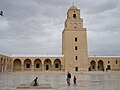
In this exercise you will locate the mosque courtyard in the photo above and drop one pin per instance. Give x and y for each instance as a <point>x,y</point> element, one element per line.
<point>94,80</point>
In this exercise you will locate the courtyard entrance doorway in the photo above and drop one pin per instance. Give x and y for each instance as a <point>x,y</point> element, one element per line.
<point>47,64</point>
<point>108,67</point>
<point>47,67</point>
<point>17,65</point>
<point>100,65</point>
<point>93,65</point>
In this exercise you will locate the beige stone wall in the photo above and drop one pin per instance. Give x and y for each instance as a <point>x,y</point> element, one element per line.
<point>108,61</point>
<point>11,63</point>
<point>38,63</point>
<point>5,63</point>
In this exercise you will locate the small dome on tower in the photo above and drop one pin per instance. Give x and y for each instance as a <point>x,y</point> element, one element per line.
<point>73,7</point>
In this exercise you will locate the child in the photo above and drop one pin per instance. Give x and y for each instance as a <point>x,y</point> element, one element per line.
<point>74,80</point>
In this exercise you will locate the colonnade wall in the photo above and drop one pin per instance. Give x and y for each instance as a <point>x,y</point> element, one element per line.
<point>97,63</point>
<point>37,63</point>
<point>5,63</point>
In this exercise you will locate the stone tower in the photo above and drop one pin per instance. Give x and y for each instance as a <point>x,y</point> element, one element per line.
<point>74,42</point>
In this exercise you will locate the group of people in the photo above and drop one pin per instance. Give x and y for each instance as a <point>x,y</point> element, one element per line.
<point>69,78</point>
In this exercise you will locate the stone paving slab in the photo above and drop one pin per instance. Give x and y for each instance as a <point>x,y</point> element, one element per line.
<point>41,86</point>
<point>85,80</point>
<point>34,89</point>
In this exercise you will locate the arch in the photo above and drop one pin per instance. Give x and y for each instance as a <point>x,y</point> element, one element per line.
<point>57,64</point>
<point>37,65</point>
<point>27,65</point>
<point>0,64</point>
<point>74,16</point>
<point>1,68</point>
<point>47,65</point>
<point>0,59</point>
<point>92,65</point>
<point>100,65</point>
<point>4,64</point>
<point>17,65</point>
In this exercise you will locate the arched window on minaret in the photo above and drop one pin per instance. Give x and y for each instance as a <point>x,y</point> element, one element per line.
<point>74,15</point>
<point>76,48</point>
<point>75,39</point>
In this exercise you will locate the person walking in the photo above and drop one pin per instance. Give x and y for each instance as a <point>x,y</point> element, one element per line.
<point>74,80</point>
<point>35,81</point>
<point>68,78</point>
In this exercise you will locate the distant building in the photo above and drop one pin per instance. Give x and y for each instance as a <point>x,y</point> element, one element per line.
<point>74,53</point>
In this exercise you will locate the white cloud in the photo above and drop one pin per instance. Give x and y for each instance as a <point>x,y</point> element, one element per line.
<point>35,26</point>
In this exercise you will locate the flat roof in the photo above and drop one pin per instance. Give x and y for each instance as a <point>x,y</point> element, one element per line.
<point>104,56</point>
<point>25,55</point>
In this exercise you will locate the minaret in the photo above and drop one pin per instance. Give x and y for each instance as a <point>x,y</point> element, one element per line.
<point>74,42</point>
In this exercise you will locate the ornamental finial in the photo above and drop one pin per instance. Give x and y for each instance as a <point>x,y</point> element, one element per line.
<point>73,3</point>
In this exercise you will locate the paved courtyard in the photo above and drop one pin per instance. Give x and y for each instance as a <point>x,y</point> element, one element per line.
<point>85,80</point>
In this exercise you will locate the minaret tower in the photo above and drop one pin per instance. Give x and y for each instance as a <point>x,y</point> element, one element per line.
<point>74,42</point>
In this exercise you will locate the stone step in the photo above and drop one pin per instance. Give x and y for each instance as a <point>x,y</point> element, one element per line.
<point>41,86</point>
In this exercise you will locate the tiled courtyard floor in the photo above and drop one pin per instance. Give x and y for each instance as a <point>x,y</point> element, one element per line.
<point>85,80</point>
